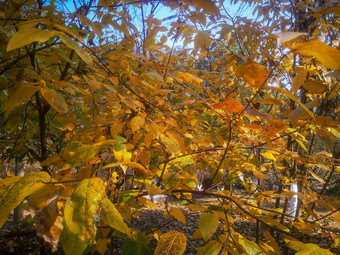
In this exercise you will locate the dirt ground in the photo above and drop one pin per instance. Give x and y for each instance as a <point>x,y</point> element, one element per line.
<point>20,238</point>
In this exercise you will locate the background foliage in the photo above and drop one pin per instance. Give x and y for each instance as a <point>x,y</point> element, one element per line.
<point>117,100</point>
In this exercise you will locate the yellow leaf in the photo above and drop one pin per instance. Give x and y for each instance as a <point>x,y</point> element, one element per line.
<point>291,96</point>
<point>188,77</point>
<point>42,194</point>
<point>325,54</point>
<point>177,213</point>
<point>283,37</point>
<point>147,202</point>
<point>110,215</point>
<point>260,175</point>
<point>54,99</point>
<point>208,224</point>
<point>153,189</point>
<point>81,211</point>
<point>173,242</point>
<point>101,245</point>
<point>69,42</point>
<point>152,76</point>
<point>170,144</point>
<point>306,248</point>
<point>250,247</point>
<point>315,87</point>
<point>27,36</point>
<point>177,139</point>
<point>271,242</point>
<point>252,73</point>
<point>21,95</point>
<point>213,247</point>
<point>138,167</point>
<point>14,189</point>
<point>317,177</point>
<point>268,155</point>
<point>136,123</point>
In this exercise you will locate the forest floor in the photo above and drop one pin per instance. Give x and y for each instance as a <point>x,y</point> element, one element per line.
<point>20,238</point>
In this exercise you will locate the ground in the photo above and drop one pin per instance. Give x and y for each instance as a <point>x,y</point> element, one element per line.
<point>20,238</point>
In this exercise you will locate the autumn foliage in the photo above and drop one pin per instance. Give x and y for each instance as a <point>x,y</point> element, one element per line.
<point>119,103</point>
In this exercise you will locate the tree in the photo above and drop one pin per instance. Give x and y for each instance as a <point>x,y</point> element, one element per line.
<point>113,109</point>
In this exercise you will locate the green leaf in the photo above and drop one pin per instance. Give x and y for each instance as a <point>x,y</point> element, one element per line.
<point>119,138</point>
<point>81,211</point>
<point>27,36</point>
<point>134,248</point>
<point>110,215</point>
<point>173,242</point>
<point>119,147</point>
<point>69,42</point>
<point>213,247</point>
<point>208,224</point>
<point>13,190</point>
<point>71,243</point>
<point>54,99</point>
<point>307,248</point>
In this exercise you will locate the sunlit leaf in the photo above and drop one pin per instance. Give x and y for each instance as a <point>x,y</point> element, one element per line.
<point>253,74</point>
<point>15,189</point>
<point>315,87</point>
<point>81,211</point>
<point>325,54</point>
<point>173,242</point>
<point>283,37</point>
<point>112,217</point>
<point>307,248</point>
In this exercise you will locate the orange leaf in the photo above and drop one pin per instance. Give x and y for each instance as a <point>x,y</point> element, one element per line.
<point>231,105</point>
<point>252,73</point>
